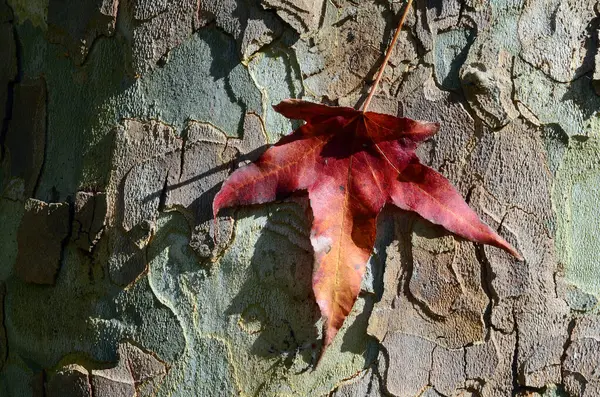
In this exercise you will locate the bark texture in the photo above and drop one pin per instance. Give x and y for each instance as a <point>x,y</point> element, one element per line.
<point>120,119</point>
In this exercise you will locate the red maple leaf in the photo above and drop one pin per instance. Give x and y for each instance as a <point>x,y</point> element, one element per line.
<point>351,163</point>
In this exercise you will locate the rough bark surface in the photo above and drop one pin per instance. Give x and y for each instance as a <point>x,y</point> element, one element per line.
<point>120,119</point>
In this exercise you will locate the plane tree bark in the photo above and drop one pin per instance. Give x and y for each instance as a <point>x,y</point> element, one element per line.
<point>120,119</point>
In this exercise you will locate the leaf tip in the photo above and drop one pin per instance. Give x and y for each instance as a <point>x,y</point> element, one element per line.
<point>281,106</point>
<point>516,254</point>
<point>424,129</point>
<point>506,246</point>
<point>216,207</point>
<point>431,128</point>
<point>328,336</point>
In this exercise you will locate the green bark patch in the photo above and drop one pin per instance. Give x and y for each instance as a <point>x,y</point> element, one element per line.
<point>575,199</point>
<point>250,319</point>
<point>202,80</point>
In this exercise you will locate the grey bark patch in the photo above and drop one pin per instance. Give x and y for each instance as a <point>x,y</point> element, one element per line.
<point>582,355</point>
<point>208,157</point>
<point>447,370</point>
<point>144,366</point>
<point>143,188</point>
<point>486,74</point>
<point>489,91</point>
<point>421,99</point>
<point>540,347</point>
<point>154,170</point>
<point>451,49</point>
<point>127,261</point>
<point>514,186</point>
<point>202,169</point>
<point>153,30</point>
<point>146,160</point>
<point>434,282</point>
<point>113,382</point>
<point>366,384</point>
<point>135,372</point>
<point>25,140</point>
<point>397,311</point>
<point>303,15</point>
<point>573,106</point>
<point>581,366</point>
<point>579,300</point>
<point>587,327</point>
<point>144,150</point>
<point>77,24</point>
<point>43,229</point>
<point>481,361</point>
<point>554,38</point>
<point>206,162</point>
<point>88,221</point>
<point>556,143</point>
<point>70,380</point>
<point>410,364</point>
<point>501,383</point>
<point>250,25</point>
<point>343,52</point>
<point>254,139</point>
<point>147,9</point>
<point>431,392</point>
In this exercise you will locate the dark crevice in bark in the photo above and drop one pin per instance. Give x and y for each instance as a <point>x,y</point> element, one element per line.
<point>163,194</point>
<point>582,382</point>
<point>6,121</point>
<point>566,345</point>
<point>43,166</point>
<point>408,263</point>
<point>370,385</point>
<point>383,353</point>
<point>91,385</point>
<point>487,276</point>
<point>554,81</point>
<point>591,46</point>
<point>323,14</point>
<point>65,242</point>
<point>513,87</point>
<point>184,142</point>
<point>11,92</point>
<point>431,355</point>
<point>42,385</point>
<point>8,116</point>
<point>3,325</point>
<point>515,361</point>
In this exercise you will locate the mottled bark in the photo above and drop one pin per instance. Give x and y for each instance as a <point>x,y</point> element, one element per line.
<point>120,119</point>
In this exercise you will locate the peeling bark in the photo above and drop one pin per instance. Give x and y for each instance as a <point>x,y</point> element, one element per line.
<point>120,119</point>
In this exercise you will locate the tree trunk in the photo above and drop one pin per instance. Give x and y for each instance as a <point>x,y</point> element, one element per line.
<point>122,118</point>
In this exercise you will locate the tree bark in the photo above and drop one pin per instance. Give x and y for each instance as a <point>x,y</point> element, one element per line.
<point>120,119</point>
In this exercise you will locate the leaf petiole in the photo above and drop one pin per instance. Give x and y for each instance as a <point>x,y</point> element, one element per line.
<point>387,57</point>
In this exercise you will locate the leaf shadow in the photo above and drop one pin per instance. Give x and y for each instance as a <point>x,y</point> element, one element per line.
<point>276,302</point>
<point>201,207</point>
<point>580,92</point>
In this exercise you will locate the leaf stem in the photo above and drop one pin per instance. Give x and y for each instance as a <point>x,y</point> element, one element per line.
<point>387,57</point>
